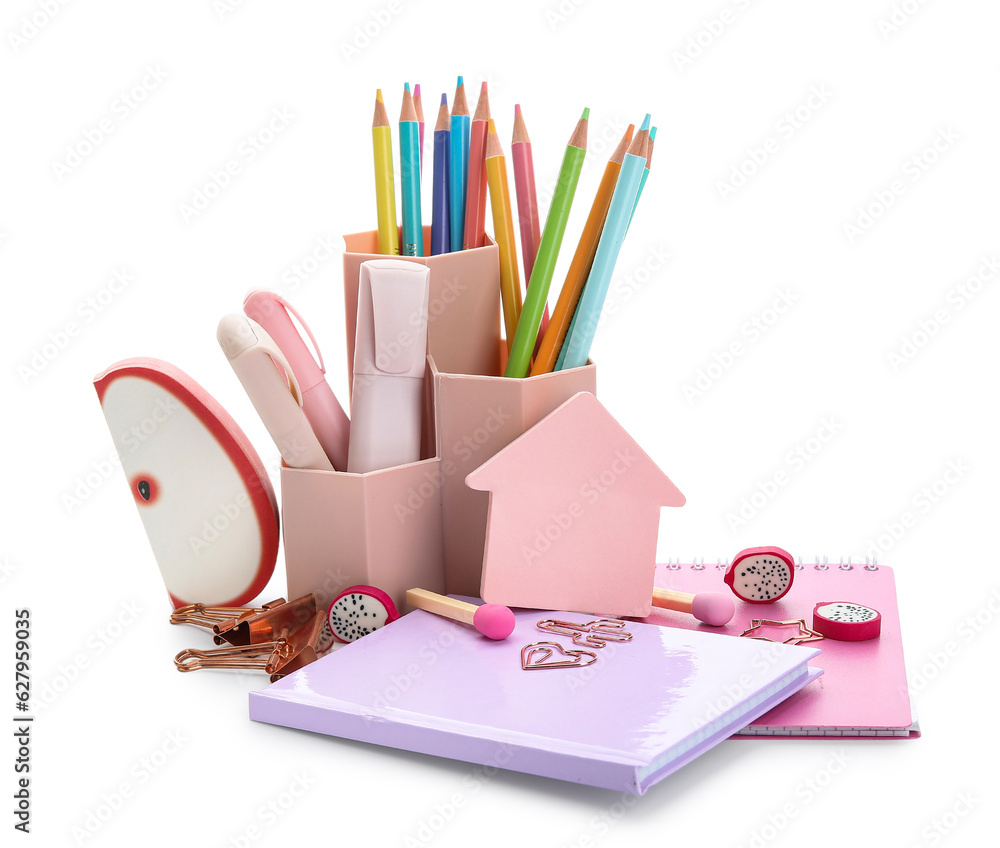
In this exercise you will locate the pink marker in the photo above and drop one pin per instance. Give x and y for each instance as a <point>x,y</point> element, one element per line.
<point>325,415</point>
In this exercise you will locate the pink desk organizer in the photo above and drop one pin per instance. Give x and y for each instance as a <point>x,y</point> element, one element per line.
<point>475,417</point>
<point>463,323</point>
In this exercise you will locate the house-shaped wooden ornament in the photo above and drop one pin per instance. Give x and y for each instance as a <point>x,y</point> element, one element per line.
<point>574,514</point>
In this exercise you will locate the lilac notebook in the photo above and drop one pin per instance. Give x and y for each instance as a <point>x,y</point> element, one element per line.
<point>591,708</point>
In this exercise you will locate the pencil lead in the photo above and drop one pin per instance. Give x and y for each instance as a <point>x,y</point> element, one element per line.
<point>652,134</point>
<point>406,87</point>
<point>444,99</point>
<point>645,123</point>
<point>461,81</point>
<point>483,89</point>
<point>517,109</point>
<point>416,90</point>
<point>586,114</point>
<point>378,95</point>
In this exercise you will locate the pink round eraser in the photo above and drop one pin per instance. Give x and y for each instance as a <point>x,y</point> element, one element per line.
<point>713,608</point>
<point>494,621</point>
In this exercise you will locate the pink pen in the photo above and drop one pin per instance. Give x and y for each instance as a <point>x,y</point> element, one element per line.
<point>325,415</point>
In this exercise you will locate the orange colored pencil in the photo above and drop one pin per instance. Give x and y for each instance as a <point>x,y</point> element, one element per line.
<point>503,229</point>
<point>583,259</point>
<point>475,197</point>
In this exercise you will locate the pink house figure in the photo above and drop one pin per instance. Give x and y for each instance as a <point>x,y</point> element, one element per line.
<point>574,515</point>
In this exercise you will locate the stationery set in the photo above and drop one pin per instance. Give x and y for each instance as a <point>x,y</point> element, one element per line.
<point>470,537</point>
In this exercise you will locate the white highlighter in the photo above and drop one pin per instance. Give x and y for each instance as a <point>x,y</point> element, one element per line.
<point>259,363</point>
<point>389,362</point>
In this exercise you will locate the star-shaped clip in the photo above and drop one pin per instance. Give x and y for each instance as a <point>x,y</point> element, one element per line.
<point>804,633</point>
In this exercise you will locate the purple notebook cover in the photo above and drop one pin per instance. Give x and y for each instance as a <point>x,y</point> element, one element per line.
<point>863,691</point>
<point>638,712</point>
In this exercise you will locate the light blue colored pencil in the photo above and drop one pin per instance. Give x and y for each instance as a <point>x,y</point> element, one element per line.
<point>458,172</point>
<point>579,338</point>
<point>645,175</point>
<point>409,167</point>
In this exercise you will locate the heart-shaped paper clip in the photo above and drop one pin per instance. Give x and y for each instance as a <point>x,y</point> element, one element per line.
<point>542,655</point>
<point>593,634</point>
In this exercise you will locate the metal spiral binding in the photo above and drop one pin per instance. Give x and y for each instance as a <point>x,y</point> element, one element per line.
<point>820,564</point>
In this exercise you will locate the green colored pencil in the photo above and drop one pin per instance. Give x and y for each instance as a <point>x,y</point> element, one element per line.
<point>523,345</point>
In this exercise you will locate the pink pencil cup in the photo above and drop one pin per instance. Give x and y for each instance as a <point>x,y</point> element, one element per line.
<point>463,313</point>
<point>475,417</point>
<point>382,529</point>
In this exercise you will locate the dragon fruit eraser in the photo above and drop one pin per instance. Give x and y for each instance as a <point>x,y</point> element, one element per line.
<point>358,611</point>
<point>761,575</point>
<point>845,621</point>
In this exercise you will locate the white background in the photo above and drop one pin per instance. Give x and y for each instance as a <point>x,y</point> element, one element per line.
<point>833,364</point>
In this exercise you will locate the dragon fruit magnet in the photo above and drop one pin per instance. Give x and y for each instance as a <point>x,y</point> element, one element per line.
<point>845,621</point>
<point>761,575</point>
<point>358,611</point>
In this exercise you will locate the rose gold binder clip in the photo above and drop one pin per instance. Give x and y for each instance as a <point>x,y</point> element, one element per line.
<point>209,617</point>
<point>278,638</point>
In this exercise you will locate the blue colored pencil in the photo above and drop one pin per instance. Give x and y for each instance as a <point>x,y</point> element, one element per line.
<point>576,348</point>
<point>461,129</point>
<point>440,219</point>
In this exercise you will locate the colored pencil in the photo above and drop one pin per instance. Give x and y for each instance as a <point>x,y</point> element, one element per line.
<point>461,127</point>
<point>576,348</point>
<point>645,173</point>
<point>548,251</point>
<point>418,106</point>
<point>440,220</point>
<point>475,196</point>
<point>409,178</point>
<point>385,187</point>
<point>583,259</point>
<point>527,204</point>
<point>503,229</point>
<point>524,186</point>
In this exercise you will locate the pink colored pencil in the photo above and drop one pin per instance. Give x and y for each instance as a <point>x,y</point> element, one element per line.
<point>475,196</point>
<point>418,105</point>
<point>527,202</point>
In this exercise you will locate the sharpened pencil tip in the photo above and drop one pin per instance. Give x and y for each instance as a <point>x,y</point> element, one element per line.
<point>483,86</point>
<point>491,128</point>
<point>652,134</point>
<point>645,123</point>
<point>378,95</point>
<point>517,109</point>
<point>416,90</point>
<point>444,99</point>
<point>461,80</point>
<point>586,114</point>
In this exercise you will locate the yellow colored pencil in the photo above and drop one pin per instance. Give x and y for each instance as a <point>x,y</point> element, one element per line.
<point>503,228</point>
<point>385,186</point>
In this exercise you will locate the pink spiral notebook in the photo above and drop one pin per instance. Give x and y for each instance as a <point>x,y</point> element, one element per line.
<point>863,691</point>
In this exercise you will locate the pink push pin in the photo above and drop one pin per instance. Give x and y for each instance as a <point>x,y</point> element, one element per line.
<point>712,608</point>
<point>492,620</point>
